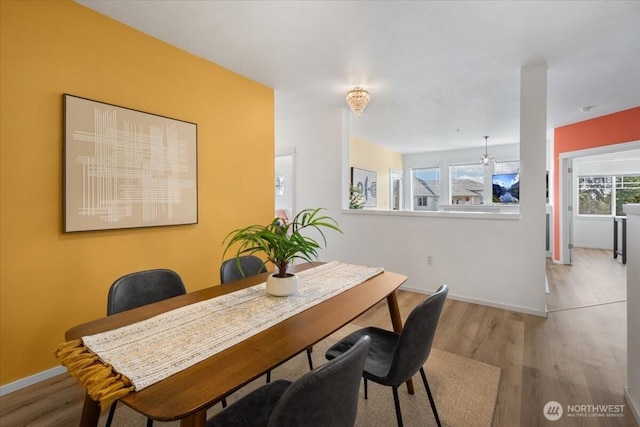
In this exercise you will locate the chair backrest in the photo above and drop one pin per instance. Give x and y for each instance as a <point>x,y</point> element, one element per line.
<point>238,268</point>
<point>416,338</point>
<point>142,288</point>
<point>326,396</point>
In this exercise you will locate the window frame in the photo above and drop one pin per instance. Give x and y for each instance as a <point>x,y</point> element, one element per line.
<point>415,205</point>
<point>480,168</point>
<point>613,195</point>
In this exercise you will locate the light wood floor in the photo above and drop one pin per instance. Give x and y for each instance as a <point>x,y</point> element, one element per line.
<point>575,356</point>
<point>595,278</point>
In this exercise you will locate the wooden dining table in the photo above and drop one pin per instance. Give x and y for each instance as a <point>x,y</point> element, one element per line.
<point>187,395</point>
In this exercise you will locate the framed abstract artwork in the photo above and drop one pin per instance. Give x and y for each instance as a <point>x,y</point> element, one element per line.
<point>124,168</point>
<point>366,183</point>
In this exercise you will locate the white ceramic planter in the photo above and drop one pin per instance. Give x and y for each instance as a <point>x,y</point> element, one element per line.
<point>282,286</point>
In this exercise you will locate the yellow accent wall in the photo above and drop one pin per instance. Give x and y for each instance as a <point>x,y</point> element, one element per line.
<point>367,155</point>
<point>51,281</point>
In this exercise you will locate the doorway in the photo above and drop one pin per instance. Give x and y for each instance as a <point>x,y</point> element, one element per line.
<point>285,181</point>
<point>615,153</point>
<point>395,186</point>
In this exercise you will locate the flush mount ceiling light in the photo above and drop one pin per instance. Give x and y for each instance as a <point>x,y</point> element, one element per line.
<point>358,98</point>
<point>486,159</point>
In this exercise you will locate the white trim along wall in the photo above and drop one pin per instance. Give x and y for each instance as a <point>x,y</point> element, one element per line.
<point>30,380</point>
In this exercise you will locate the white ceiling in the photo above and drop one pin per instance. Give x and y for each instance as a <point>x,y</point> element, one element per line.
<point>441,73</point>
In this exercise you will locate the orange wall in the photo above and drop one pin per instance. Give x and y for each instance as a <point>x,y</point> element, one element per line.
<point>51,281</point>
<point>616,128</point>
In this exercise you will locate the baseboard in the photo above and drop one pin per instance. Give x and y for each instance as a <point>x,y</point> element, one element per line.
<point>516,308</point>
<point>33,379</point>
<point>635,408</point>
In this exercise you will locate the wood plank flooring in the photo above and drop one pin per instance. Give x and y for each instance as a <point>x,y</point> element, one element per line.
<point>594,278</point>
<point>576,356</point>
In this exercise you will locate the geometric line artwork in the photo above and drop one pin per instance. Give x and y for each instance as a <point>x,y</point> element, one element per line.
<point>125,168</point>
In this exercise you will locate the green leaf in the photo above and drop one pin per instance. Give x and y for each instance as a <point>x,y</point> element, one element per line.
<point>282,243</point>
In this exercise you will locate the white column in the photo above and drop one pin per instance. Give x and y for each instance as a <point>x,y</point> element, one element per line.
<point>632,391</point>
<point>533,158</point>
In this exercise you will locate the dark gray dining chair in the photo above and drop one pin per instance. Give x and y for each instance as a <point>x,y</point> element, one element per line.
<point>324,397</point>
<point>237,268</point>
<point>143,287</point>
<point>394,358</point>
<point>138,289</point>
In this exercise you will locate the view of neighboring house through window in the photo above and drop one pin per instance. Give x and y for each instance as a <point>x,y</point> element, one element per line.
<point>467,184</point>
<point>425,188</point>
<point>605,195</point>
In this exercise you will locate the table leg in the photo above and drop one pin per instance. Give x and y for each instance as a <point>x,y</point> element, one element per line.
<point>199,419</point>
<point>615,238</point>
<point>396,321</point>
<point>90,412</point>
<point>624,240</point>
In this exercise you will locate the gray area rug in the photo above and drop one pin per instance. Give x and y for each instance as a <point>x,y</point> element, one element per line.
<point>465,392</point>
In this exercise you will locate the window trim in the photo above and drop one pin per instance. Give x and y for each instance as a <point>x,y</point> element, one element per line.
<point>414,205</point>
<point>484,184</point>
<point>612,205</point>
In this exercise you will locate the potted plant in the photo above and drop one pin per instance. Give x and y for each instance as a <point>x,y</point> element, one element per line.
<point>356,198</point>
<point>282,243</point>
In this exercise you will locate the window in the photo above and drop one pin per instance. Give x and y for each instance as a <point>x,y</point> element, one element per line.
<point>605,195</point>
<point>467,184</point>
<point>425,188</point>
<point>500,168</point>
<point>594,195</point>
<point>627,190</point>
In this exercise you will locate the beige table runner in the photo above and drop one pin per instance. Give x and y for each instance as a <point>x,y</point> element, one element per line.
<point>154,349</point>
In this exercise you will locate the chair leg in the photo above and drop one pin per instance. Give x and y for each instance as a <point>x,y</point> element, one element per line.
<point>366,396</point>
<point>112,411</point>
<point>309,350</point>
<point>397,402</point>
<point>268,377</point>
<point>149,422</point>
<point>433,404</point>
<point>224,403</point>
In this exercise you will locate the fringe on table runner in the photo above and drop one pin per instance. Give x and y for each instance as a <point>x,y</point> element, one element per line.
<point>102,382</point>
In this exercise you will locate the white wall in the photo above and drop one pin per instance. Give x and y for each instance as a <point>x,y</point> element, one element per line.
<point>497,262</point>
<point>318,142</point>
<point>593,232</point>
